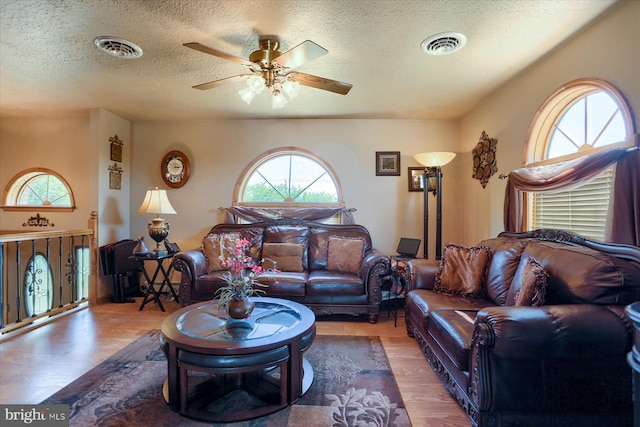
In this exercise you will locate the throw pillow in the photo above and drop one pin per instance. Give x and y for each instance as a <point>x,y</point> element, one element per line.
<point>212,249</point>
<point>286,256</point>
<point>533,288</point>
<point>345,254</point>
<point>462,270</point>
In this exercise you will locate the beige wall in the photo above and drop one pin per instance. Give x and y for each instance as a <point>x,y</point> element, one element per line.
<point>77,147</point>
<point>608,50</point>
<point>220,150</point>
<point>60,143</point>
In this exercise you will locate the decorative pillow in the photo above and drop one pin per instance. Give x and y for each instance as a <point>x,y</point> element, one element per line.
<point>345,254</point>
<point>212,249</point>
<point>462,270</point>
<point>533,288</point>
<point>286,256</point>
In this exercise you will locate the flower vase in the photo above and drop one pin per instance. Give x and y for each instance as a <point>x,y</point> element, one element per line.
<point>240,308</point>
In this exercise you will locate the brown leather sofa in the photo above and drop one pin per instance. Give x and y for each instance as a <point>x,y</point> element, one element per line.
<point>561,363</point>
<point>330,275</point>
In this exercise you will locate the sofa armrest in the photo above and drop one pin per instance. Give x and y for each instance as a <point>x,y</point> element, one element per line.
<point>374,265</point>
<point>554,331</point>
<point>420,273</point>
<point>191,264</point>
<point>548,356</point>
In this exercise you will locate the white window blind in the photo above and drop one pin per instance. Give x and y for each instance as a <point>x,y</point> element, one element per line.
<point>582,210</point>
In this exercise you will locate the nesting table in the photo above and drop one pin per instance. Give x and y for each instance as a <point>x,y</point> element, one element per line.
<point>213,360</point>
<point>151,293</point>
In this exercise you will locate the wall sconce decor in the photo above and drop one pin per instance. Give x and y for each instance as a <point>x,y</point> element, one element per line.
<point>484,159</point>
<point>157,202</point>
<point>115,177</point>
<point>116,148</point>
<point>432,177</point>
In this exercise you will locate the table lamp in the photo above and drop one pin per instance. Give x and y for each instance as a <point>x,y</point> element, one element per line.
<point>157,202</point>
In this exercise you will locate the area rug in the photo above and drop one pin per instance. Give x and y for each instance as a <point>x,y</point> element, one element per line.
<point>353,386</point>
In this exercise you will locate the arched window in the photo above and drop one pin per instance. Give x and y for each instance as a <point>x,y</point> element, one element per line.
<point>38,189</point>
<point>289,183</point>
<point>288,178</point>
<point>582,117</point>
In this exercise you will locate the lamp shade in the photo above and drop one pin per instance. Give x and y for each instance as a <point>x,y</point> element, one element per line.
<point>157,202</point>
<point>433,159</point>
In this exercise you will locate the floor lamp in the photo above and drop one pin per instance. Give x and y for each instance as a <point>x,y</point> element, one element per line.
<point>432,182</point>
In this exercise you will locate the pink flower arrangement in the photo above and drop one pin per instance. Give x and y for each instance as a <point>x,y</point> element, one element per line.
<point>242,271</point>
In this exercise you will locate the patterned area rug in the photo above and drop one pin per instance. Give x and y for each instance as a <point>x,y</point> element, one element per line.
<point>353,386</point>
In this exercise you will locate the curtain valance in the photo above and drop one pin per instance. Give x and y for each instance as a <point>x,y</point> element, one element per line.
<point>624,212</point>
<point>260,214</point>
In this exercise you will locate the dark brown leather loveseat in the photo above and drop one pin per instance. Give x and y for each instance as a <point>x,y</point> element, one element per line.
<point>558,363</point>
<point>333,269</point>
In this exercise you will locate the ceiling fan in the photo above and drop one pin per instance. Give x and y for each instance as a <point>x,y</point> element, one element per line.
<point>272,69</point>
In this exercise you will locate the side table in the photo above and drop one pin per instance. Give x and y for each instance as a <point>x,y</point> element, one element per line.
<point>393,286</point>
<point>151,294</point>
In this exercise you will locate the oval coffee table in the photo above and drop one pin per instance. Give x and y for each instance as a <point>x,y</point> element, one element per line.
<point>224,370</point>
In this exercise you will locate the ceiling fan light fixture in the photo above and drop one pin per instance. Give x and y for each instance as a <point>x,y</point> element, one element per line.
<point>279,100</point>
<point>247,94</point>
<point>443,43</point>
<point>118,47</point>
<point>291,88</point>
<point>256,83</point>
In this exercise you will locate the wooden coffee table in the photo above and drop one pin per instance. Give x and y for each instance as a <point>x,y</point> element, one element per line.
<point>213,360</point>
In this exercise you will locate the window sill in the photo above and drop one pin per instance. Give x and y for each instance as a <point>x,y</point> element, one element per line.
<point>38,208</point>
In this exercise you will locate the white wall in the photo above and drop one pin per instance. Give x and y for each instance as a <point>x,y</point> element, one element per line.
<point>220,150</point>
<point>609,50</point>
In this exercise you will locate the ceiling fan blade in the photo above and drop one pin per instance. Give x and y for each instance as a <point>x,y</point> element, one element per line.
<point>322,83</point>
<point>218,53</point>
<point>216,83</point>
<point>302,53</point>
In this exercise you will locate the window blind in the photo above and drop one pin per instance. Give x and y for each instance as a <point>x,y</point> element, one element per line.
<point>582,210</point>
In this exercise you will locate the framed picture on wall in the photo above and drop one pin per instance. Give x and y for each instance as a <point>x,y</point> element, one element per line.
<point>116,148</point>
<point>388,163</point>
<point>416,177</point>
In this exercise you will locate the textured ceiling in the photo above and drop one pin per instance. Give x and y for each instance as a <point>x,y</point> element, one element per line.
<point>48,61</point>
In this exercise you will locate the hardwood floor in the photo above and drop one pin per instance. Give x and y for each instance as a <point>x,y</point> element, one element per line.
<point>38,363</point>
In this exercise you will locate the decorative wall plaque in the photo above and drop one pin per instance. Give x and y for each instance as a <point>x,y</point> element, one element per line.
<point>115,177</point>
<point>38,221</point>
<point>116,148</point>
<point>484,159</point>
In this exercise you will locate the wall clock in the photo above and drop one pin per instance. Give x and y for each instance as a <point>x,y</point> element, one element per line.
<point>175,169</point>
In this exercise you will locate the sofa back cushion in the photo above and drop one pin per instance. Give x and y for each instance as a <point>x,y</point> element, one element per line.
<point>345,254</point>
<point>283,256</point>
<point>295,234</point>
<point>579,275</point>
<point>503,266</point>
<point>213,245</point>
<point>319,242</point>
<point>251,232</point>
<point>462,270</point>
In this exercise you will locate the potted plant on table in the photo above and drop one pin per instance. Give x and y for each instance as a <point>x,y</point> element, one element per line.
<point>240,277</point>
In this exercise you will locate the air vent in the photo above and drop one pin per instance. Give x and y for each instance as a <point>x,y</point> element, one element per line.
<point>118,47</point>
<point>443,43</point>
